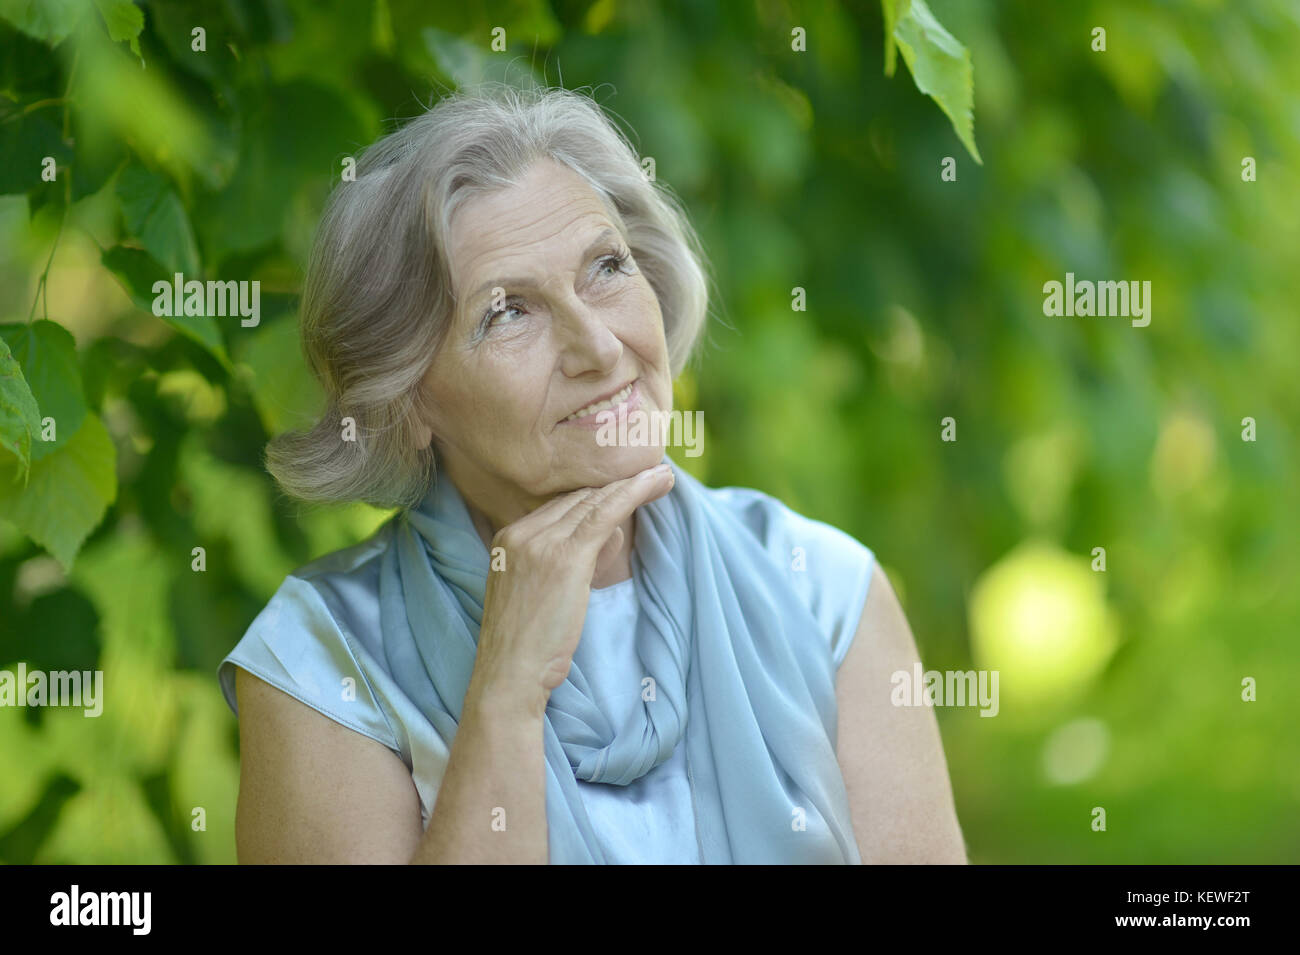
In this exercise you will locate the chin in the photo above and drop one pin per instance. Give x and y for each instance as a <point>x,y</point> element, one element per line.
<point>615,464</point>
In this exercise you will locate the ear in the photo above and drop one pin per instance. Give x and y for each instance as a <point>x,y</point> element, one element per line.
<point>419,426</point>
<point>422,415</point>
<point>423,437</point>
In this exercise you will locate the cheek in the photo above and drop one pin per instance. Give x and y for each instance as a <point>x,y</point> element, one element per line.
<point>645,321</point>
<point>464,401</point>
<point>509,395</point>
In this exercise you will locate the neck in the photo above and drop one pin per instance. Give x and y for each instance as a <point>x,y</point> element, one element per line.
<point>612,567</point>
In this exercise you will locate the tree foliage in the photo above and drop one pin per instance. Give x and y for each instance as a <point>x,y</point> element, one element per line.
<point>143,140</point>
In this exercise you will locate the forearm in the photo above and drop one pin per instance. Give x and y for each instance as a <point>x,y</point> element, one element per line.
<point>491,805</point>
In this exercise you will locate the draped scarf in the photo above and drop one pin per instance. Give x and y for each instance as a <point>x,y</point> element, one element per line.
<point>738,667</point>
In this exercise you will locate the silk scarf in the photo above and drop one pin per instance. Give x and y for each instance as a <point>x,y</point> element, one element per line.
<point>733,653</point>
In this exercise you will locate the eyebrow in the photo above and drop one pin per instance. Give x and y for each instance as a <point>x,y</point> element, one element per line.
<point>604,236</point>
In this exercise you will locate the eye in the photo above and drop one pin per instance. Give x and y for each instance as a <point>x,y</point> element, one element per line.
<point>490,317</point>
<point>614,260</point>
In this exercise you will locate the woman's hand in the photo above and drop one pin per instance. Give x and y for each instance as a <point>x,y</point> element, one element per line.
<point>535,607</point>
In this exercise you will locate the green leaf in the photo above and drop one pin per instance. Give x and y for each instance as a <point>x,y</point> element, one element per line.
<point>47,353</point>
<point>137,272</point>
<point>25,143</point>
<point>464,62</point>
<point>154,215</point>
<point>233,503</point>
<point>56,631</point>
<point>285,394</point>
<point>20,417</point>
<point>109,365</point>
<point>296,136</point>
<point>894,11</point>
<point>124,21</point>
<point>97,158</point>
<point>67,492</point>
<point>145,108</point>
<point>940,66</point>
<point>50,21</point>
<point>27,71</point>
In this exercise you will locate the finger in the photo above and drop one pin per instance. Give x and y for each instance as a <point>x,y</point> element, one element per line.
<point>555,509</point>
<point>564,512</point>
<point>603,515</point>
<point>545,515</point>
<point>594,499</point>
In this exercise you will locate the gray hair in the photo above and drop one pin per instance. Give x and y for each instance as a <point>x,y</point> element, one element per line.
<point>378,299</point>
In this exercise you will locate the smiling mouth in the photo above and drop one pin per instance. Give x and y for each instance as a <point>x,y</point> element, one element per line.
<point>613,401</point>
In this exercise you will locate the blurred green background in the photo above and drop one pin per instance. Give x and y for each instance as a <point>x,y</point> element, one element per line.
<point>805,169</point>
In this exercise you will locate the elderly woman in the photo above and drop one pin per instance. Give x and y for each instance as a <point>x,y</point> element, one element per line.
<point>560,648</point>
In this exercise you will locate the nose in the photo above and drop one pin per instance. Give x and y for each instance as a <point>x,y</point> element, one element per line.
<point>586,342</point>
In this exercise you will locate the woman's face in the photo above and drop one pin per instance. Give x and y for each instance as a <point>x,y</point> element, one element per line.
<point>547,322</point>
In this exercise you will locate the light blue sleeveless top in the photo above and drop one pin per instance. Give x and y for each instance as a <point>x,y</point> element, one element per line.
<point>319,641</point>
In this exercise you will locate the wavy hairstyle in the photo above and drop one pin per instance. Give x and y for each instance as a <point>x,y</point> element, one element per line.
<point>378,298</point>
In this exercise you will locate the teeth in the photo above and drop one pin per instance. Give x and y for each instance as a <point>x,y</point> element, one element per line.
<point>612,402</point>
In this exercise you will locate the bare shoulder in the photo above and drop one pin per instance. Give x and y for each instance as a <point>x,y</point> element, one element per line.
<point>892,756</point>
<point>311,790</point>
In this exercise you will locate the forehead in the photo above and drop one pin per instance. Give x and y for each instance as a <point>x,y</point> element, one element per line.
<point>548,216</point>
